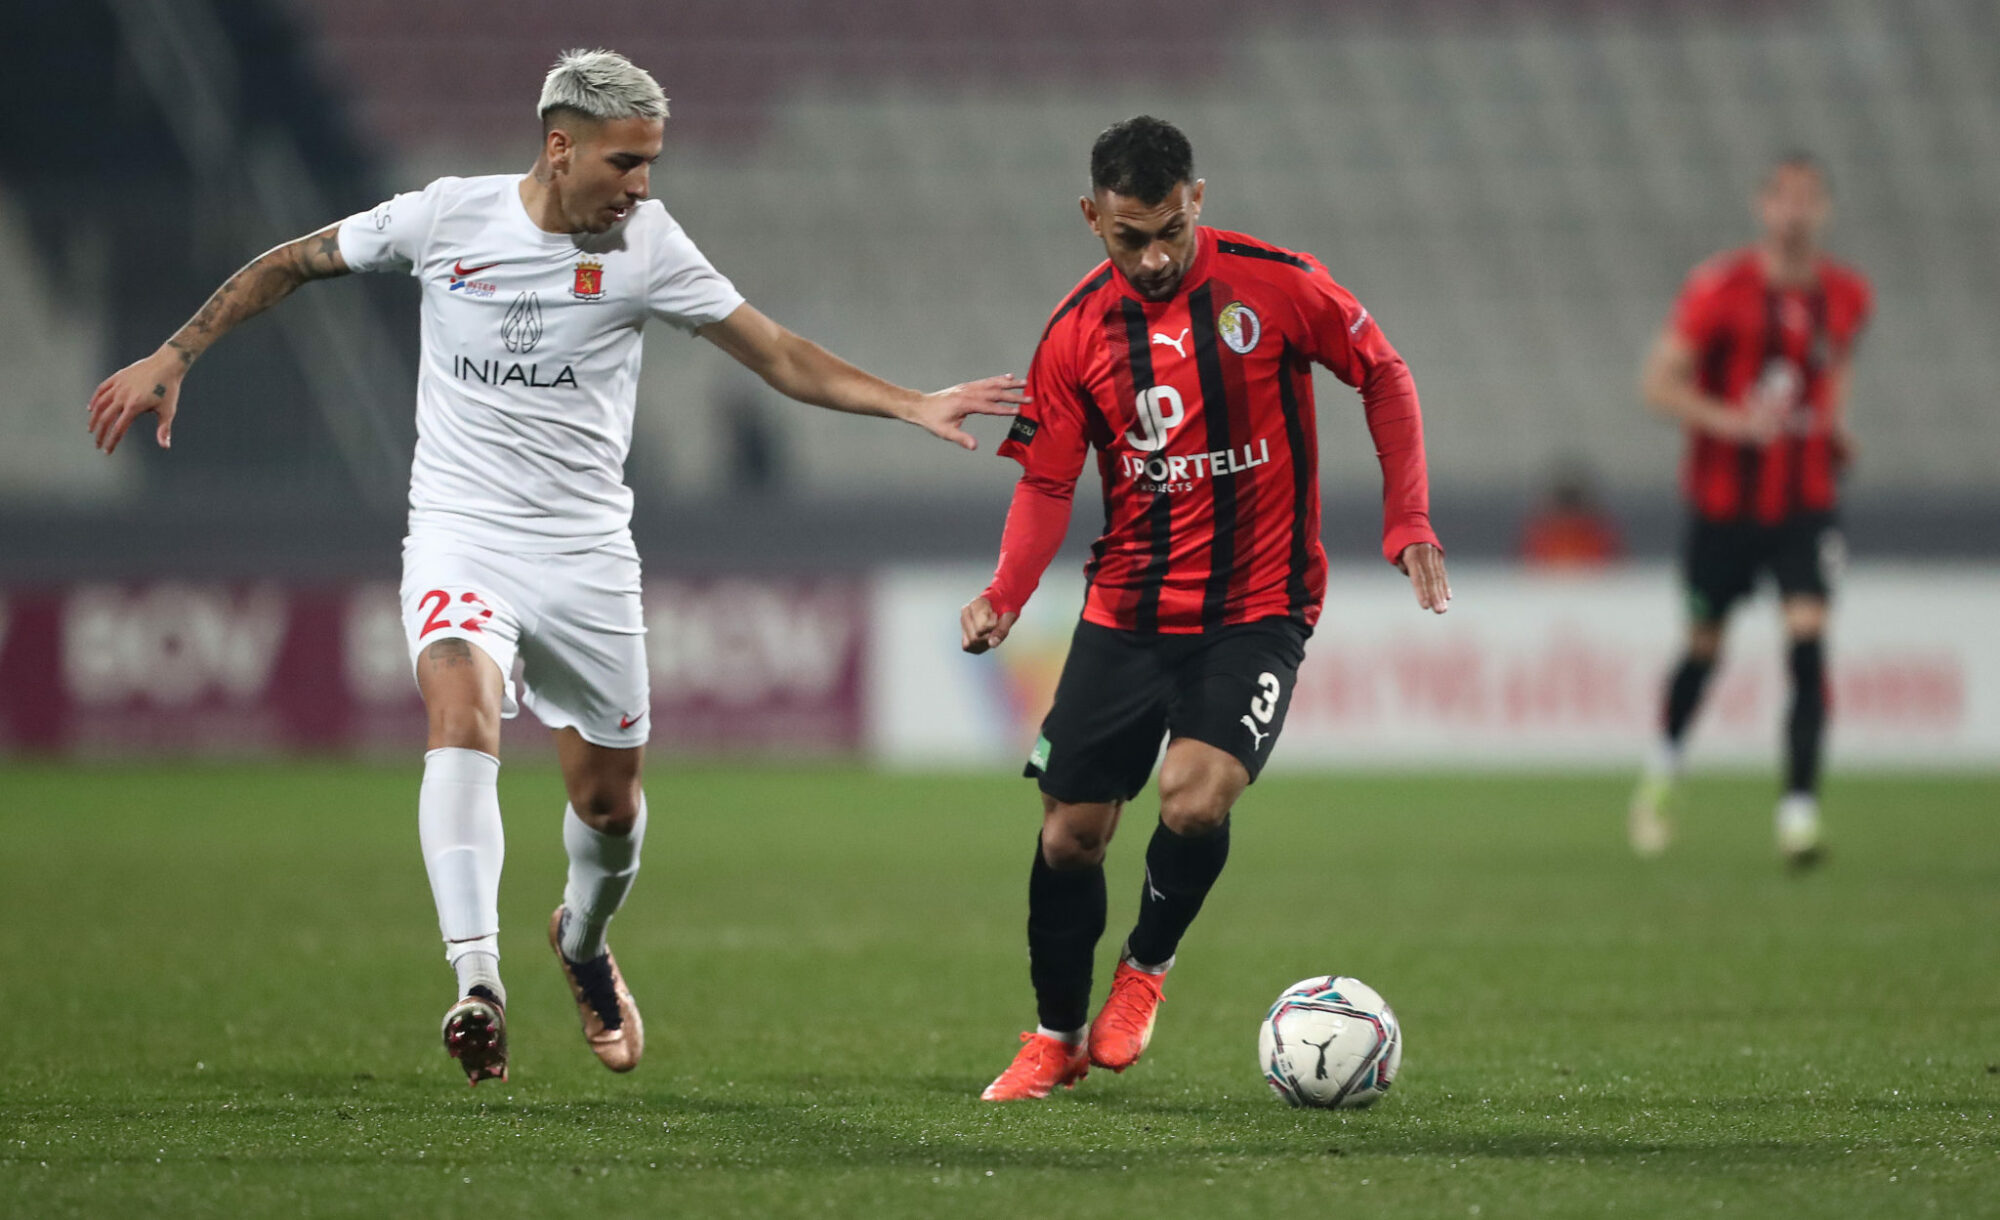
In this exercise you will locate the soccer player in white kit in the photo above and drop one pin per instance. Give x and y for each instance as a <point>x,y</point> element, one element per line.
<point>535,289</point>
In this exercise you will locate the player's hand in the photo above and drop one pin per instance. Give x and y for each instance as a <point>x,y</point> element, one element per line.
<point>1845,447</point>
<point>942,413</point>
<point>1757,423</point>
<point>1424,565</point>
<point>152,384</point>
<point>980,627</point>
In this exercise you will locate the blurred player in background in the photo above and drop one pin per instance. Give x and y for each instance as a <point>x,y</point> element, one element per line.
<point>535,290</point>
<point>1186,361</point>
<point>1570,529</point>
<point>1754,364</point>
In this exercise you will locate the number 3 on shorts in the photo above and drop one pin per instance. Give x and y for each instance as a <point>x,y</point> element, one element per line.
<point>1265,706</point>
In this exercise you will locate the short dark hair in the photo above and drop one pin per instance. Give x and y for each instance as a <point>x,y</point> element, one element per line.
<point>1142,157</point>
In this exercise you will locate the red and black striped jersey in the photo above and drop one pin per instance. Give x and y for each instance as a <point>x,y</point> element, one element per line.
<point>1750,334</point>
<point>1200,409</point>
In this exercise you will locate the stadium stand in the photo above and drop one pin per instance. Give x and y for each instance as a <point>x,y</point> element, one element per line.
<point>1515,189</point>
<point>1518,222</point>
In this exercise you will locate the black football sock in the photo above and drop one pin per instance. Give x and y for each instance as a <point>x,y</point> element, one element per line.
<point>1180,869</point>
<point>1065,921</point>
<point>1684,695</point>
<point>1806,727</point>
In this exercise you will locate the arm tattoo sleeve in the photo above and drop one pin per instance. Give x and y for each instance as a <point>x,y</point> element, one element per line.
<point>262,283</point>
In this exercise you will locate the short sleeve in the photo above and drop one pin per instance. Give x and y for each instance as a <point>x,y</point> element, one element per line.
<point>1697,309</point>
<point>1049,437</point>
<point>1340,333</point>
<point>391,235</point>
<point>687,292</point>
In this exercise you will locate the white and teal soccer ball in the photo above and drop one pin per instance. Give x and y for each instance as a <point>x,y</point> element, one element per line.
<point>1330,1043</point>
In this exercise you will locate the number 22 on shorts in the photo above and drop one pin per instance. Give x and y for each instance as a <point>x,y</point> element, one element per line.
<point>437,618</point>
<point>1264,707</point>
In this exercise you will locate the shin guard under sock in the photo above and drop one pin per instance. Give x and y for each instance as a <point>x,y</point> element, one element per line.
<point>1805,728</point>
<point>1180,869</point>
<point>1066,912</point>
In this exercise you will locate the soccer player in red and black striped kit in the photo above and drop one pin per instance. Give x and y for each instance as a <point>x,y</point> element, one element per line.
<point>1754,364</point>
<point>1185,360</point>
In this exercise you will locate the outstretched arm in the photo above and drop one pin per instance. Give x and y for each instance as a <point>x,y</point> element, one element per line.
<point>154,383</point>
<point>801,369</point>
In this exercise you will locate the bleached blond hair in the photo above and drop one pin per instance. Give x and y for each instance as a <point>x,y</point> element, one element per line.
<point>602,84</point>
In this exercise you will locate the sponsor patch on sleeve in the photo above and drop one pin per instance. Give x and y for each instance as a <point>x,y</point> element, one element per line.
<point>1024,429</point>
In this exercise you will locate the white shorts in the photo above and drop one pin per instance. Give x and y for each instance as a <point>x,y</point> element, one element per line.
<point>573,619</point>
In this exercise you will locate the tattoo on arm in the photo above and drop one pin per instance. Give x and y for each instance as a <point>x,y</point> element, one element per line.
<point>262,283</point>
<point>448,654</point>
<point>319,255</point>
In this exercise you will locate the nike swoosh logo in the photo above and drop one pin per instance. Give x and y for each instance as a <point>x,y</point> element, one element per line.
<point>459,270</point>
<point>626,722</point>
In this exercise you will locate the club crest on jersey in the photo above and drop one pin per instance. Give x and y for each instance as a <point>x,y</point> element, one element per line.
<point>589,285</point>
<point>1239,327</point>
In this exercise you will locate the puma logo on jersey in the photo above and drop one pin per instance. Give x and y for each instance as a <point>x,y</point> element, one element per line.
<point>1160,340</point>
<point>1257,742</point>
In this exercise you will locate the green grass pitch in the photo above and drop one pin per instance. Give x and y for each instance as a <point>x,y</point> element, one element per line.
<point>220,987</point>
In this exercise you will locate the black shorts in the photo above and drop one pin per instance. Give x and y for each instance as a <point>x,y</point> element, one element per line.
<point>1121,692</point>
<point>1723,559</point>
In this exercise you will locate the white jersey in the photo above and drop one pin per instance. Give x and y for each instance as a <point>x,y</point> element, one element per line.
<point>530,367</point>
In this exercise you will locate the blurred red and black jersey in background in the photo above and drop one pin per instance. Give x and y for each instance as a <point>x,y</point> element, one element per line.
<point>1749,334</point>
<point>1201,411</point>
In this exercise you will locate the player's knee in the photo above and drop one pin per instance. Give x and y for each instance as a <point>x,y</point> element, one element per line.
<point>1074,843</point>
<point>465,726</point>
<point>608,807</point>
<point>1194,809</point>
<point>1705,641</point>
<point>1805,620</point>
<point>1197,789</point>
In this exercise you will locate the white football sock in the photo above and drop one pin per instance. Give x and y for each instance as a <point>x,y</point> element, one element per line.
<point>478,965</point>
<point>1071,1037</point>
<point>1797,811</point>
<point>602,868</point>
<point>458,823</point>
<point>1664,761</point>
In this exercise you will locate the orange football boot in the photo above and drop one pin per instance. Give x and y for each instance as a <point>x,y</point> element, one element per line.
<point>1041,1064</point>
<point>1125,1024</point>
